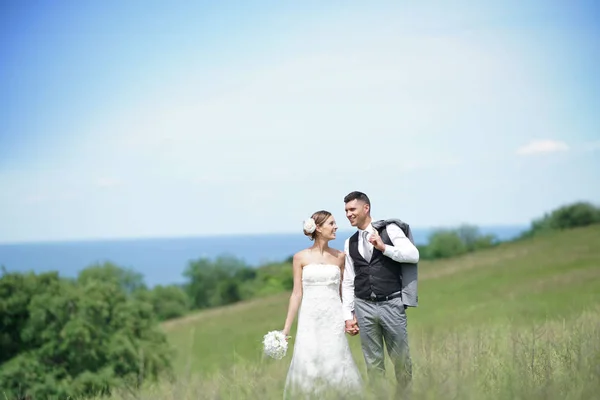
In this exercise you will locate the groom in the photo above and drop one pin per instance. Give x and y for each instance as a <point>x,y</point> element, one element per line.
<point>380,282</point>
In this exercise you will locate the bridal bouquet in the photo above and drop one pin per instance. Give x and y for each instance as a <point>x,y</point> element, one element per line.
<point>275,344</point>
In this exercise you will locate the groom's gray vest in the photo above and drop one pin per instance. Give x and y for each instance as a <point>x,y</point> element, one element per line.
<point>382,275</point>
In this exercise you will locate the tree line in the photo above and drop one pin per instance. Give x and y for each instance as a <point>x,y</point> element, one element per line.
<point>87,335</point>
<point>445,243</point>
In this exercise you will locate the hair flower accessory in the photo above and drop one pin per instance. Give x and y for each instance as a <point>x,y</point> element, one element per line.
<point>309,225</point>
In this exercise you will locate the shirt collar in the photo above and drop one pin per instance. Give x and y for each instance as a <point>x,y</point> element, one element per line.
<point>368,229</point>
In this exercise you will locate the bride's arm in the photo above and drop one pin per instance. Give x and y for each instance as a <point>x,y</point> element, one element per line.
<point>296,296</point>
<point>342,255</point>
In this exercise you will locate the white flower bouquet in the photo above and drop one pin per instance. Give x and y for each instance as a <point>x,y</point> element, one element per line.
<point>275,344</point>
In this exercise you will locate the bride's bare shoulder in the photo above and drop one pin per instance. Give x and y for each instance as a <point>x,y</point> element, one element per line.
<point>301,256</point>
<point>339,254</point>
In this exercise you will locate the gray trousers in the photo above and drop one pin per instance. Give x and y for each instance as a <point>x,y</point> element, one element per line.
<point>384,321</point>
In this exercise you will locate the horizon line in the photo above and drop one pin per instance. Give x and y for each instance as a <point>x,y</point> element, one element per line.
<point>231,234</point>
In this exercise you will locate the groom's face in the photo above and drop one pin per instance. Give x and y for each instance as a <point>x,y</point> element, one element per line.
<point>357,212</point>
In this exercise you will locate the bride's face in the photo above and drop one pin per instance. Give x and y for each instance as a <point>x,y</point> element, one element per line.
<point>328,228</point>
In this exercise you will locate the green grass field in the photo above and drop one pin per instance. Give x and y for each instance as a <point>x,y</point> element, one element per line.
<point>519,321</point>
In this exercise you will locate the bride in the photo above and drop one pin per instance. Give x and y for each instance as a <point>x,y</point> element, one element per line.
<point>322,362</point>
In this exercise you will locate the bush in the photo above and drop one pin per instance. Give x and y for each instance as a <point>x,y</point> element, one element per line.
<point>574,215</point>
<point>216,283</point>
<point>270,279</point>
<point>444,243</point>
<point>170,301</point>
<point>127,279</point>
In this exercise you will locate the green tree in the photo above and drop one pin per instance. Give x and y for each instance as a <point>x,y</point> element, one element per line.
<point>215,283</point>
<point>16,292</point>
<point>126,278</point>
<point>270,279</point>
<point>566,217</point>
<point>64,337</point>
<point>445,243</point>
<point>574,216</point>
<point>170,301</point>
<point>471,237</point>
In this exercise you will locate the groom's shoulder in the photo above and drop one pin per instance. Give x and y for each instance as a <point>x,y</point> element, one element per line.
<point>394,227</point>
<point>393,222</point>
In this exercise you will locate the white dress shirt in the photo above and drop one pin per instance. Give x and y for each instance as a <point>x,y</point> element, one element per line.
<point>402,251</point>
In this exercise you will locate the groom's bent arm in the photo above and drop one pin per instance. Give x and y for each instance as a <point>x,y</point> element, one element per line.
<point>403,250</point>
<point>348,285</point>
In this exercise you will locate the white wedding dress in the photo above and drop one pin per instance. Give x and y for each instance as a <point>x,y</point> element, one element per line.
<point>322,360</point>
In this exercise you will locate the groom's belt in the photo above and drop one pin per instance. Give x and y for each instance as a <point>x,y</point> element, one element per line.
<point>376,298</point>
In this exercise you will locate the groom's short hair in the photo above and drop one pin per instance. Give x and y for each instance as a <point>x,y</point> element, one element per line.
<point>360,196</point>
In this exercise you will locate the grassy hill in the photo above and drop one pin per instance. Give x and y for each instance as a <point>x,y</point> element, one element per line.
<point>521,320</point>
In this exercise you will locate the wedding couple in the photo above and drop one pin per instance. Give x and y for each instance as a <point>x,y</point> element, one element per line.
<point>363,290</point>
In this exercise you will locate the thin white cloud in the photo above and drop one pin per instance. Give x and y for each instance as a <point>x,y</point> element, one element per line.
<point>542,147</point>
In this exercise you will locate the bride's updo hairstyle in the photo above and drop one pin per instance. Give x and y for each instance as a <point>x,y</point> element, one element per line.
<point>317,219</point>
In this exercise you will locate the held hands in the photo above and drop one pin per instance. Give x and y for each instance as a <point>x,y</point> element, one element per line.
<point>376,241</point>
<point>352,327</point>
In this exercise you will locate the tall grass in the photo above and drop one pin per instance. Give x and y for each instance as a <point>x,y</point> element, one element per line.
<point>548,360</point>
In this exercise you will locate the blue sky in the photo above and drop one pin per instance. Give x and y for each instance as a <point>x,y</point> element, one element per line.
<point>153,118</point>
